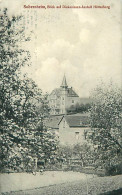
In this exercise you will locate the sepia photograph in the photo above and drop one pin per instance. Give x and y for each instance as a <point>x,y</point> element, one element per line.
<point>60,97</point>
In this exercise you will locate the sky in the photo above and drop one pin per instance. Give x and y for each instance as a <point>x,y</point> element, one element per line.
<point>83,44</point>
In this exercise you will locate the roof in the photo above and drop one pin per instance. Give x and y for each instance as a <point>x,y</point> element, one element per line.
<point>56,91</point>
<point>71,92</point>
<point>81,120</point>
<point>53,122</point>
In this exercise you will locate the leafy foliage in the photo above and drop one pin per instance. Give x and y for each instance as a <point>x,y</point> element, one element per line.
<point>22,104</point>
<point>78,108</point>
<point>106,131</point>
<point>82,152</point>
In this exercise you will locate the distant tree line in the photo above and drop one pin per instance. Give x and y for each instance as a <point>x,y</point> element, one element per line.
<point>79,108</point>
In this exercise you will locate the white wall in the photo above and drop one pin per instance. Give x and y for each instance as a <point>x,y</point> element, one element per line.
<point>67,135</point>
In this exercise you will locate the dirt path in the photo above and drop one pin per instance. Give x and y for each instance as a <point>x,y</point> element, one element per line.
<point>24,181</point>
<point>96,186</point>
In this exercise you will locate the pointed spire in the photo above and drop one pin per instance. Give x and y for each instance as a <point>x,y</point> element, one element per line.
<point>64,83</point>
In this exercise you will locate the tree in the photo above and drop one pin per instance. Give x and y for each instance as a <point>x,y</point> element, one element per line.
<point>106,132</point>
<point>85,153</point>
<point>22,104</point>
<point>79,108</point>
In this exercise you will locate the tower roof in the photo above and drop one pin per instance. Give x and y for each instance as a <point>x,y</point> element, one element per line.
<point>64,83</point>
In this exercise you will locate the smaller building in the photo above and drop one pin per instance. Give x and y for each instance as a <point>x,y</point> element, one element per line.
<point>69,129</point>
<point>72,129</point>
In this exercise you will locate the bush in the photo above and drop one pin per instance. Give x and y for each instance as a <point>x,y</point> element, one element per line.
<point>114,170</point>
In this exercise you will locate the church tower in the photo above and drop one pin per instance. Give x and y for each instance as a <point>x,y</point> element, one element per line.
<point>64,88</point>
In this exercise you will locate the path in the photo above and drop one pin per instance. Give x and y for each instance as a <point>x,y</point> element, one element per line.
<point>24,181</point>
<point>96,186</point>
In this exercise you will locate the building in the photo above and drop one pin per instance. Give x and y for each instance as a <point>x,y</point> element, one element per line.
<point>72,129</point>
<point>62,98</point>
<point>69,128</point>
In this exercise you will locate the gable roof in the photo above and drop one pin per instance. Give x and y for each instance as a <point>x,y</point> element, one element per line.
<point>77,120</point>
<point>53,122</point>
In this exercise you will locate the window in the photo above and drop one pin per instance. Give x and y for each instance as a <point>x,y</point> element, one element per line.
<point>73,101</point>
<point>77,135</point>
